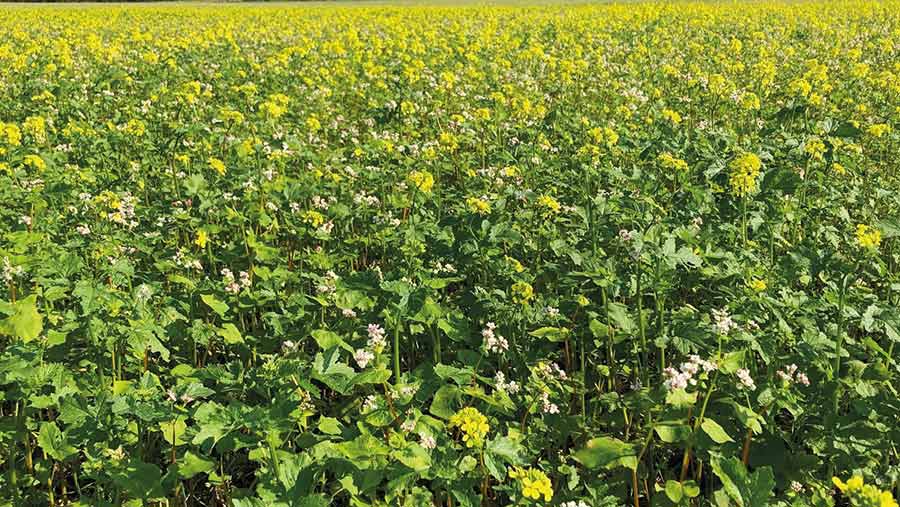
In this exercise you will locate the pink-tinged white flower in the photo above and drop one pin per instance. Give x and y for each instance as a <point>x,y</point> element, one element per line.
<point>790,374</point>
<point>363,357</point>
<point>547,406</point>
<point>746,382</point>
<point>376,337</point>
<point>493,342</point>
<point>348,313</point>
<point>370,403</point>
<point>427,441</point>
<point>510,388</point>
<point>796,487</point>
<point>722,322</point>
<point>408,425</point>
<point>83,230</point>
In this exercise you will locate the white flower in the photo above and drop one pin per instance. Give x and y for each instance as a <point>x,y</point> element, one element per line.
<point>494,342</point>
<point>376,337</point>
<point>427,441</point>
<point>369,404</point>
<point>745,379</point>
<point>83,230</point>
<point>796,487</point>
<point>362,357</point>
<point>408,425</point>
<point>349,313</point>
<point>548,407</point>
<point>26,220</point>
<point>722,322</point>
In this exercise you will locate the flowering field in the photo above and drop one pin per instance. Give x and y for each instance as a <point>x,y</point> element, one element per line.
<point>582,256</point>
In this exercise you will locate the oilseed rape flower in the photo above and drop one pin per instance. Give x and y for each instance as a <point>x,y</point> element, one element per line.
<point>758,285</point>
<point>422,180</point>
<point>548,204</point>
<point>472,424</point>
<point>11,134</point>
<point>744,173</point>
<point>522,292</point>
<point>478,205</point>
<point>669,161</point>
<point>864,495</point>
<point>868,237</point>
<point>35,162</point>
<point>534,483</point>
<point>201,239</point>
<point>217,165</point>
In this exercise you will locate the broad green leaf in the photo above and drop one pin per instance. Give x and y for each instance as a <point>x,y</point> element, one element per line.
<point>714,431</point>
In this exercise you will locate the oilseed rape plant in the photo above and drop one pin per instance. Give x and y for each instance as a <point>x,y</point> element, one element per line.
<point>561,254</point>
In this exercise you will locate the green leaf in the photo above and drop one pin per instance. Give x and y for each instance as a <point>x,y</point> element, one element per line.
<point>714,431</point>
<point>607,452</point>
<point>553,334</point>
<point>673,433</point>
<point>230,333</point>
<point>329,426</point>
<point>54,442</point>
<point>414,456</point>
<point>744,489</point>
<point>674,491</point>
<point>679,398</point>
<point>444,400</point>
<point>217,306</point>
<point>25,322</point>
<point>192,464</point>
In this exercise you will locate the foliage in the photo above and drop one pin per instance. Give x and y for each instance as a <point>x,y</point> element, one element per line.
<point>580,255</point>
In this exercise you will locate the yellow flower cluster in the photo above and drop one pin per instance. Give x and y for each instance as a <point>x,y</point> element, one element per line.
<point>758,284</point>
<point>535,483</point>
<point>473,425</point>
<point>478,205</point>
<point>669,161</point>
<point>217,165</point>
<point>744,172</point>
<point>868,237</point>
<point>864,495</point>
<point>522,292</point>
<point>422,180</point>
<point>549,204</point>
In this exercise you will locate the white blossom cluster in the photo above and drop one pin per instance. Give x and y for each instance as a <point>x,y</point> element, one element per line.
<point>511,387</point>
<point>791,375</point>
<point>746,381</point>
<point>683,377</point>
<point>494,342</point>
<point>233,286</point>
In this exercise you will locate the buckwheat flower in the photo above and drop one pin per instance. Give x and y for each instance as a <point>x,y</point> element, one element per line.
<point>408,425</point>
<point>348,313</point>
<point>746,382</point>
<point>186,399</point>
<point>552,311</point>
<point>493,342</point>
<point>245,279</point>
<point>370,403</point>
<point>427,441</point>
<point>722,322</point>
<point>675,379</point>
<point>796,487</point>
<point>573,503</point>
<point>802,379</point>
<point>83,230</point>
<point>376,337</point>
<point>171,395</point>
<point>547,406</point>
<point>25,220</point>
<point>288,346</point>
<point>362,357</point>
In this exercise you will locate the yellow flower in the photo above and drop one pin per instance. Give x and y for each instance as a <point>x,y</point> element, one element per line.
<point>422,180</point>
<point>522,292</point>
<point>217,165</point>
<point>669,161</point>
<point>815,148</point>
<point>672,116</point>
<point>11,133</point>
<point>36,127</point>
<point>478,205</point>
<point>313,124</point>
<point>549,204</point>
<point>758,284</point>
<point>868,237</point>
<point>878,129</point>
<point>201,239</point>
<point>473,425</point>
<point>534,483</point>
<point>744,172</point>
<point>34,161</point>
<point>838,168</point>
<point>313,218</point>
